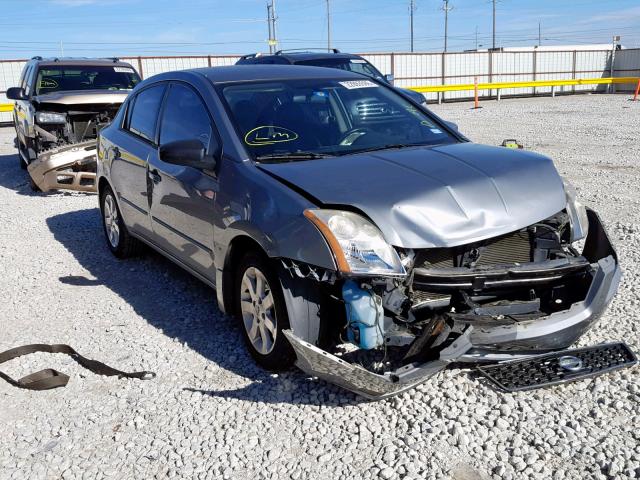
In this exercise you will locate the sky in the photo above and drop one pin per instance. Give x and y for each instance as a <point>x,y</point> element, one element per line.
<point>181,27</point>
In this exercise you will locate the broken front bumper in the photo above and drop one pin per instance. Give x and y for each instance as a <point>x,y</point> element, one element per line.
<point>482,341</point>
<point>560,329</point>
<point>66,168</point>
<point>321,364</point>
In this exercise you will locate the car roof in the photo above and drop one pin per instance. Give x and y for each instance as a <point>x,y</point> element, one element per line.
<point>70,61</point>
<point>246,73</point>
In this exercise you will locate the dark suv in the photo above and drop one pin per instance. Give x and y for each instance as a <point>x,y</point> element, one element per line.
<point>334,59</point>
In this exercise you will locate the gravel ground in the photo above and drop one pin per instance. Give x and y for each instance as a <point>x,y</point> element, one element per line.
<point>211,413</point>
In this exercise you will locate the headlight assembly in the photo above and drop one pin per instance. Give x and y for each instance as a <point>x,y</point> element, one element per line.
<point>358,245</point>
<point>50,117</point>
<point>577,213</point>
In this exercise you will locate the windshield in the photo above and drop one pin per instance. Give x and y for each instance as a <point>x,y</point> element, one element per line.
<point>357,65</point>
<point>102,77</point>
<point>326,117</point>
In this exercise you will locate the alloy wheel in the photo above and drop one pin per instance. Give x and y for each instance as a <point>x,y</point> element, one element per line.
<point>110,211</point>
<point>258,310</point>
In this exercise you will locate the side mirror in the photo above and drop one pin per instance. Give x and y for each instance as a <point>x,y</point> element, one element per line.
<point>15,93</point>
<point>389,78</point>
<point>452,125</point>
<point>188,153</point>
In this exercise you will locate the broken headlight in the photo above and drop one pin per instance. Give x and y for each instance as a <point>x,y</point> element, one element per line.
<point>577,213</point>
<point>357,244</point>
<point>50,117</point>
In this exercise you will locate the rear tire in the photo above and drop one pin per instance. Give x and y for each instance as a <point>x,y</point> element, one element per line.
<point>121,244</point>
<point>262,313</point>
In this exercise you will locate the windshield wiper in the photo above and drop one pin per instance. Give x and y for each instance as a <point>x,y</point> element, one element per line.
<point>390,146</point>
<point>291,157</point>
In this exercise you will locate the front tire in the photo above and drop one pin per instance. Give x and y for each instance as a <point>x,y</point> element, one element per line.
<point>262,314</point>
<point>121,244</point>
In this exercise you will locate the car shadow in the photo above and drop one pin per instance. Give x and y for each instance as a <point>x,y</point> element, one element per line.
<point>203,327</point>
<point>15,178</point>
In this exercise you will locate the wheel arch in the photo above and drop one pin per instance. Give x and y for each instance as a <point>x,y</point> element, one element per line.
<point>304,299</point>
<point>237,248</point>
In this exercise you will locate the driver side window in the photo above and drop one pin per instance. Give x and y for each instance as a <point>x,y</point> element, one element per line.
<point>185,117</point>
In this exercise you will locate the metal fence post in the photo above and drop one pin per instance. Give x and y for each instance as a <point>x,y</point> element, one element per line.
<point>140,68</point>
<point>535,69</point>
<point>393,65</point>
<point>490,72</point>
<point>209,60</point>
<point>573,71</point>
<point>444,79</point>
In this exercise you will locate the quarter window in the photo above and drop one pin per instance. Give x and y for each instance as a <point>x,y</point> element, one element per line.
<point>185,117</point>
<point>144,115</point>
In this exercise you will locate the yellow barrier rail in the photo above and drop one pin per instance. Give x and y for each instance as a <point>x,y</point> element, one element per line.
<point>8,107</point>
<point>532,84</point>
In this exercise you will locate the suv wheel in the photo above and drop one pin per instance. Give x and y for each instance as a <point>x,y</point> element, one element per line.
<point>121,244</point>
<point>261,312</point>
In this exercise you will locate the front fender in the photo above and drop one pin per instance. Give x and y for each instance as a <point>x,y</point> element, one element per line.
<point>254,206</point>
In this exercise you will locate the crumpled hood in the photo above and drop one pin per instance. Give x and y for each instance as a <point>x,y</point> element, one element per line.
<point>83,97</point>
<point>435,197</point>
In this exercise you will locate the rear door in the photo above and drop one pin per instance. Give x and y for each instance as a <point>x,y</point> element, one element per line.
<point>129,171</point>
<point>182,206</point>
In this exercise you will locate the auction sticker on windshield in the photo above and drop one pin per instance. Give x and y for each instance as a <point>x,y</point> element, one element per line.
<point>123,69</point>
<point>351,84</point>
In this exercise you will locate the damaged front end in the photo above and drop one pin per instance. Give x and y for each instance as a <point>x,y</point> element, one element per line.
<point>520,294</point>
<point>66,130</point>
<point>66,168</point>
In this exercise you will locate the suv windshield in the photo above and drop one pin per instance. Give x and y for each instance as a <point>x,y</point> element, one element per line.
<point>357,65</point>
<point>102,77</point>
<point>322,117</point>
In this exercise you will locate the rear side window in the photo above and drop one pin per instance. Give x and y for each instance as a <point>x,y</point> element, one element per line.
<point>144,113</point>
<point>185,117</point>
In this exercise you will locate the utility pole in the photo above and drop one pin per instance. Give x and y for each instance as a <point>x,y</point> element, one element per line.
<point>539,33</point>
<point>412,9</point>
<point>446,9</point>
<point>61,49</point>
<point>271,21</point>
<point>328,26</point>
<point>476,38</point>
<point>494,23</point>
<point>269,26</point>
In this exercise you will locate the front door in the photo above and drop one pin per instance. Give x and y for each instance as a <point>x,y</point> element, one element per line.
<point>131,158</point>
<point>183,198</point>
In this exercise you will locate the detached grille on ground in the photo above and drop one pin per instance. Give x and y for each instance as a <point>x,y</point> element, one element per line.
<point>558,367</point>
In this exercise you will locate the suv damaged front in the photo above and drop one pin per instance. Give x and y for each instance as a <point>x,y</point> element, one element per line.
<point>72,102</point>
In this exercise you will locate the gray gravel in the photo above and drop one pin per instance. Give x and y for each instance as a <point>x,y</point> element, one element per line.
<point>211,413</point>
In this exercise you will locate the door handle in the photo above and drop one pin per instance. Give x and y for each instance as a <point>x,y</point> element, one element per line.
<point>154,175</point>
